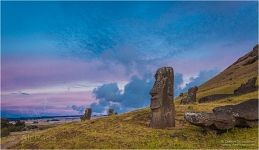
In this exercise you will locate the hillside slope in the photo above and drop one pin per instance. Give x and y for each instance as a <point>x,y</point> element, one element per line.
<point>232,77</point>
<point>131,130</point>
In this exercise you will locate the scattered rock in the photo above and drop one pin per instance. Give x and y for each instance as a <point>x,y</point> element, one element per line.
<point>162,106</point>
<point>226,117</point>
<point>178,135</point>
<point>248,57</point>
<point>87,115</point>
<point>191,97</point>
<point>251,61</point>
<point>249,86</point>
<point>213,97</point>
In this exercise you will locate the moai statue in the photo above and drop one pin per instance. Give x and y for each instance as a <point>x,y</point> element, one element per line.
<point>191,98</point>
<point>181,95</point>
<point>247,87</point>
<point>110,111</point>
<point>87,115</point>
<point>162,104</point>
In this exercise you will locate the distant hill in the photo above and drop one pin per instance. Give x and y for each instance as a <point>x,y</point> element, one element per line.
<point>239,72</point>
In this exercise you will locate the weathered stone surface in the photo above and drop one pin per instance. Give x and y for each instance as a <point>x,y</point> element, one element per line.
<point>226,117</point>
<point>181,95</point>
<point>191,97</point>
<point>249,86</point>
<point>87,115</point>
<point>213,97</point>
<point>110,111</point>
<point>162,105</point>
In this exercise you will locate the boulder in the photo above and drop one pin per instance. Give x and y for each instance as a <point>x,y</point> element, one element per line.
<point>226,117</point>
<point>213,97</point>
<point>162,96</point>
<point>87,115</point>
<point>247,87</point>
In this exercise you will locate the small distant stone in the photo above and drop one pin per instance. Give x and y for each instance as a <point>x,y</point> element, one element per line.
<point>87,115</point>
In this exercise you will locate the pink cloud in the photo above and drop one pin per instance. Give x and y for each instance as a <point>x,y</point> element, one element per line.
<point>20,73</point>
<point>57,103</point>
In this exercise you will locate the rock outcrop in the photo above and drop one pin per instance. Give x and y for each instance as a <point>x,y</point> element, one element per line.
<point>226,117</point>
<point>213,97</point>
<point>162,105</point>
<point>87,115</point>
<point>191,97</point>
<point>247,87</point>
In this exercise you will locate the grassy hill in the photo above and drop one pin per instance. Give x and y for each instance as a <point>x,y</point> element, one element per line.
<point>232,77</point>
<point>130,130</point>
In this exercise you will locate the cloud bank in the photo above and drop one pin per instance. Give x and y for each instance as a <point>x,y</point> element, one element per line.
<point>136,92</point>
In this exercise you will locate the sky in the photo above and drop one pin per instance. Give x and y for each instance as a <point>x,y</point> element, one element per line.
<point>57,58</point>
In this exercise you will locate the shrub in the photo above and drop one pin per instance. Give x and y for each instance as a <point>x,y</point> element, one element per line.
<point>5,132</point>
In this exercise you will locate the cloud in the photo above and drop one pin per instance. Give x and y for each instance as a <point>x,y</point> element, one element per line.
<point>80,109</point>
<point>136,92</point>
<point>178,80</point>
<point>135,95</point>
<point>108,92</point>
<point>202,77</point>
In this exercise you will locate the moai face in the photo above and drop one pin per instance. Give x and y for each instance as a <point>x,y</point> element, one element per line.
<point>163,88</point>
<point>162,107</point>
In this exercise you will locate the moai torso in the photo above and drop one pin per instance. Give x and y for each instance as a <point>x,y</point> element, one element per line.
<point>162,105</point>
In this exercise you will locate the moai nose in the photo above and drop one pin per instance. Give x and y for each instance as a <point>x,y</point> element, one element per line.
<point>153,91</point>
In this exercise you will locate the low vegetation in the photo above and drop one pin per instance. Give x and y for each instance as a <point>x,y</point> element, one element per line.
<point>7,127</point>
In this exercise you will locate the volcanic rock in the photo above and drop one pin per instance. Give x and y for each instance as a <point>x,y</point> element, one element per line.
<point>226,117</point>
<point>213,97</point>
<point>110,111</point>
<point>191,97</point>
<point>249,86</point>
<point>87,115</point>
<point>162,106</point>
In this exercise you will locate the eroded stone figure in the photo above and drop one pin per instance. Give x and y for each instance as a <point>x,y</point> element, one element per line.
<point>87,115</point>
<point>162,104</point>
<point>222,118</point>
<point>191,96</point>
<point>110,112</point>
<point>247,87</point>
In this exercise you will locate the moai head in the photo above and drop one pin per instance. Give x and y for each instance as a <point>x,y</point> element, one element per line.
<point>110,111</point>
<point>162,107</point>
<point>87,115</point>
<point>252,82</point>
<point>192,94</point>
<point>163,87</point>
<point>193,90</point>
<point>181,95</point>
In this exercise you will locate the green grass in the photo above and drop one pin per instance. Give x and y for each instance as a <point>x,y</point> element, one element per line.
<point>131,130</point>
